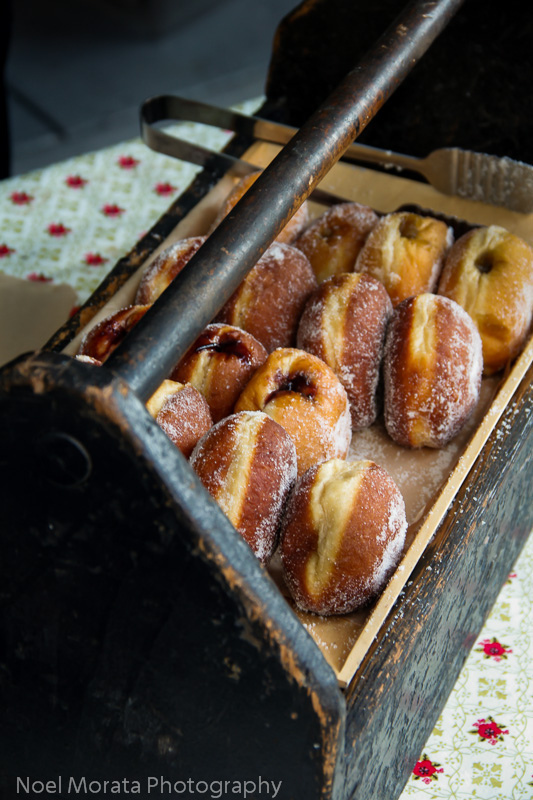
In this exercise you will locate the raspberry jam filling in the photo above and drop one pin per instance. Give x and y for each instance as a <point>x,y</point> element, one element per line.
<point>297,383</point>
<point>227,343</point>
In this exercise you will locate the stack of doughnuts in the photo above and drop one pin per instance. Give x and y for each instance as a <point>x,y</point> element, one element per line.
<point>346,321</point>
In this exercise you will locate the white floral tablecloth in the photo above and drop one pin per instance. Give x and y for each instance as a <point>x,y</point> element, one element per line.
<point>69,223</point>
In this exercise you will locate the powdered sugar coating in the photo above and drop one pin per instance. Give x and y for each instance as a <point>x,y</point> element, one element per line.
<point>489,272</point>
<point>219,364</point>
<point>344,323</point>
<point>432,371</point>
<point>405,252</point>
<point>269,302</point>
<point>104,337</point>
<point>185,418</point>
<point>248,464</point>
<point>165,267</point>
<point>304,395</point>
<point>333,240</point>
<point>335,562</point>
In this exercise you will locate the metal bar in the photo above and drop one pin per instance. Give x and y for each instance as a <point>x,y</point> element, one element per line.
<point>153,347</point>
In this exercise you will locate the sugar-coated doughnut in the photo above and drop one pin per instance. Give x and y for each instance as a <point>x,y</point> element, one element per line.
<point>333,240</point>
<point>301,393</point>
<point>344,324</point>
<point>247,462</point>
<point>104,337</point>
<point>342,535</point>
<point>182,412</point>
<point>163,269</point>
<point>489,272</point>
<point>288,233</point>
<point>405,251</point>
<point>269,301</point>
<point>432,371</point>
<point>219,364</point>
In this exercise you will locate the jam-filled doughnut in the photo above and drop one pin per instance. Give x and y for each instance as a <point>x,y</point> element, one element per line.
<point>333,240</point>
<point>182,412</point>
<point>288,233</point>
<point>104,337</point>
<point>405,251</point>
<point>342,535</point>
<point>219,364</point>
<point>304,395</point>
<point>269,301</point>
<point>344,324</point>
<point>432,371</point>
<point>247,462</point>
<point>163,269</point>
<point>489,272</point>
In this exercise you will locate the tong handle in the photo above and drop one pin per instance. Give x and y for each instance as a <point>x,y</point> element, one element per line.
<point>181,109</point>
<point>165,108</point>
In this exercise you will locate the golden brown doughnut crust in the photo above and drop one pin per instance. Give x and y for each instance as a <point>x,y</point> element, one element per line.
<point>432,371</point>
<point>104,337</point>
<point>301,393</point>
<point>489,272</point>
<point>291,230</point>
<point>342,535</point>
<point>219,364</point>
<point>247,462</point>
<point>333,240</point>
<point>344,324</point>
<point>181,411</point>
<point>269,302</point>
<point>164,268</point>
<point>405,251</point>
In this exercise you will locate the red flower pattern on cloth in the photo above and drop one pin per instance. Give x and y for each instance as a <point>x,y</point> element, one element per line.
<point>492,648</point>
<point>57,229</point>
<point>426,770</point>
<point>489,731</point>
<point>127,162</point>
<point>112,210</point>
<point>95,259</point>
<point>21,198</point>
<point>5,250</point>
<point>164,188</point>
<point>39,277</point>
<point>75,181</point>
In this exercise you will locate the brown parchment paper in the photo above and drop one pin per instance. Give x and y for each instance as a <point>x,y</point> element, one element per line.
<point>30,312</point>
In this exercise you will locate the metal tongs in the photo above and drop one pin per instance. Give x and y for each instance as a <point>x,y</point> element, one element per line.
<point>475,176</point>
